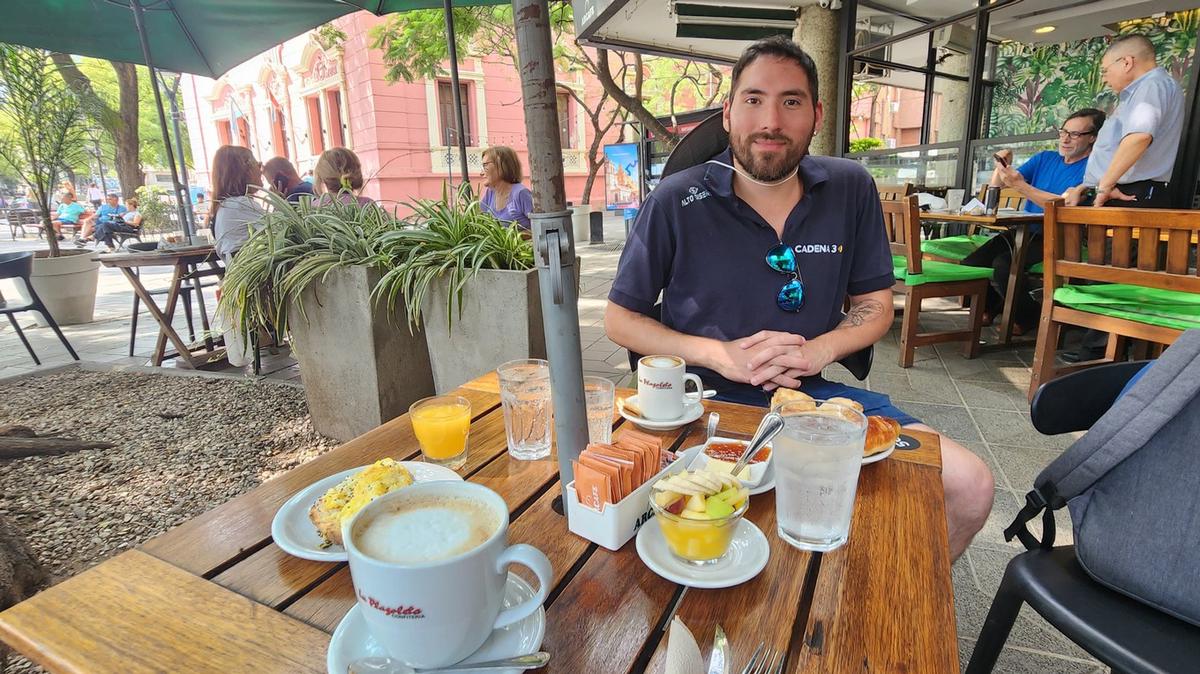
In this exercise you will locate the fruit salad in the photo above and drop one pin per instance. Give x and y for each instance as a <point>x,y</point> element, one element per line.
<point>698,512</point>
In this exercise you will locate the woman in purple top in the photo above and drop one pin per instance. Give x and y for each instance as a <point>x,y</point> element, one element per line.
<point>504,196</point>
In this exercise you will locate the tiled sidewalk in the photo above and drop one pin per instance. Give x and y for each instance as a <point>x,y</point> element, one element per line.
<point>981,403</point>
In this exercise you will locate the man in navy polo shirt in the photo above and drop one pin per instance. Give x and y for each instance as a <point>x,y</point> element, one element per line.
<point>754,254</point>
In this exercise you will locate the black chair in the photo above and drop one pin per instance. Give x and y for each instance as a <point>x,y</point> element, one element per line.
<point>1123,633</point>
<point>705,141</point>
<point>20,265</point>
<point>858,363</point>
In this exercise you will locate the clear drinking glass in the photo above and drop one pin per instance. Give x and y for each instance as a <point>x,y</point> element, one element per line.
<point>817,458</point>
<point>598,392</point>
<point>528,411</point>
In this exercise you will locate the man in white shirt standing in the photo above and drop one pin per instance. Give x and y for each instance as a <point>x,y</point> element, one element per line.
<point>1122,170</point>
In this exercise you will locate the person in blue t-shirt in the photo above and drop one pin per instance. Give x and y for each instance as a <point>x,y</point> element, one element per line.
<point>1046,176</point>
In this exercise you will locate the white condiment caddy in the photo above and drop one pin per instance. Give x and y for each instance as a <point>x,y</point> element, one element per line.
<point>614,526</point>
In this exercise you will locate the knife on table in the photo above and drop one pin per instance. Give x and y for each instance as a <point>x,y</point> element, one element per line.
<point>719,659</point>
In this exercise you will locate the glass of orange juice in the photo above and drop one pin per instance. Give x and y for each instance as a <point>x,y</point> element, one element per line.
<point>441,424</point>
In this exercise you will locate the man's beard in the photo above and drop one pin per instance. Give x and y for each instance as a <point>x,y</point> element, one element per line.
<point>774,166</point>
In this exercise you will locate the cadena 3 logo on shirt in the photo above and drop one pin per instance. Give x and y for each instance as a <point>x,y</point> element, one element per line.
<point>814,248</point>
<point>696,194</point>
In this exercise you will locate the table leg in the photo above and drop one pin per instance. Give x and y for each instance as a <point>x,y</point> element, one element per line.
<point>1016,282</point>
<point>196,283</point>
<point>169,316</point>
<point>165,330</point>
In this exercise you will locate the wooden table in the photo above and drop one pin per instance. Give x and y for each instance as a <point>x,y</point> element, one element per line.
<point>215,594</point>
<point>1004,220</point>
<point>185,264</point>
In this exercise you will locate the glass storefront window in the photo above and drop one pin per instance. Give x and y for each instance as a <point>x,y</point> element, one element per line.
<point>889,109</point>
<point>929,167</point>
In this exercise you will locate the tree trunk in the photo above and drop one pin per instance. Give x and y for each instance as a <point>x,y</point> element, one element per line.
<point>121,124</point>
<point>593,169</point>
<point>16,448</point>
<point>633,105</point>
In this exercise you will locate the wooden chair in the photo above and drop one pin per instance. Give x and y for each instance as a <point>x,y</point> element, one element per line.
<point>889,192</point>
<point>923,279</point>
<point>1114,255</point>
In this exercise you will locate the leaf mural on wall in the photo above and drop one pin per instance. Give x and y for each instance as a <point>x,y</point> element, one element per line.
<point>1037,86</point>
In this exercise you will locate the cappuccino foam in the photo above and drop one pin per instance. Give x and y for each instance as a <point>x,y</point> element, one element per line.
<point>662,361</point>
<point>426,529</point>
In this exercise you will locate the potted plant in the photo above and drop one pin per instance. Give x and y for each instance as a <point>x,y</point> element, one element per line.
<point>470,282</point>
<point>308,272</point>
<point>43,131</point>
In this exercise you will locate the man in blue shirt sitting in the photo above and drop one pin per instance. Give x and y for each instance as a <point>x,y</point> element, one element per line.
<point>755,253</point>
<point>108,214</point>
<point>1045,177</point>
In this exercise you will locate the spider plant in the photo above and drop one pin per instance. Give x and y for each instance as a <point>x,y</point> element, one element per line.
<point>452,238</point>
<point>295,245</point>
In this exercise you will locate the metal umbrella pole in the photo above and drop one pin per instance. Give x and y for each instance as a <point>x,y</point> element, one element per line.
<point>173,96</point>
<point>554,246</point>
<point>457,93</point>
<point>139,22</point>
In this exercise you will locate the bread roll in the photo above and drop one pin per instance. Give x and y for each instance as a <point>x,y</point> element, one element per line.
<point>800,401</point>
<point>882,434</point>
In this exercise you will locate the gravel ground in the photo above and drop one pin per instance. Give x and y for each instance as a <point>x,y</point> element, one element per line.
<point>183,445</point>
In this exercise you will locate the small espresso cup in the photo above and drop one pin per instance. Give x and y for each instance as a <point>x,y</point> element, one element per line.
<point>429,602</point>
<point>662,382</point>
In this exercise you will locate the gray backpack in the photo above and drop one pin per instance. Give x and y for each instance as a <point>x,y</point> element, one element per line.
<point>1132,484</point>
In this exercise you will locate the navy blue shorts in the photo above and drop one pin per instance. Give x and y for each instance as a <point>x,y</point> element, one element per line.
<point>874,403</point>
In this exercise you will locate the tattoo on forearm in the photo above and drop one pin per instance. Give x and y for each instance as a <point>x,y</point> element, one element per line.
<point>862,313</point>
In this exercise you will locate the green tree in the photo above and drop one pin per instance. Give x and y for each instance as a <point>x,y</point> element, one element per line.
<point>45,128</point>
<point>865,144</point>
<point>118,118</point>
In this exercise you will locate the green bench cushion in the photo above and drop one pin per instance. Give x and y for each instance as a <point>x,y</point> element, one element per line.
<point>954,247</point>
<point>1039,268</point>
<point>1165,308</point>
<point>933,271</point>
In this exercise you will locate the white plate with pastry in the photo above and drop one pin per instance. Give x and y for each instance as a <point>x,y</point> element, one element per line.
<point>294,529</point>
<point>882,432</point>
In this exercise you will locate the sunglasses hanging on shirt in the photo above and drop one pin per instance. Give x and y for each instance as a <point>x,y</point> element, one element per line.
<point>782,259</point>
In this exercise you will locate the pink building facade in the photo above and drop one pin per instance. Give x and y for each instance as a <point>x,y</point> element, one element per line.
<point>297,99</point>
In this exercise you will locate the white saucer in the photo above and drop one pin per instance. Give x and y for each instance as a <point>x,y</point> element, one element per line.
<point>747,556</point>
<point>295,534</point>
<point>352,640</point>
<point>691,412</point>
<point>880,456</point>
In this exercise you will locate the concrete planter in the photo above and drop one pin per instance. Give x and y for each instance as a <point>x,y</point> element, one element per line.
<point>67,284</point>
<point>361,366</point>
<point>501,320</point>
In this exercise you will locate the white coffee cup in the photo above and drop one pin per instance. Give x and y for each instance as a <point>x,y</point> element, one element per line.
<point>662,387</point>
<point>434,608</point>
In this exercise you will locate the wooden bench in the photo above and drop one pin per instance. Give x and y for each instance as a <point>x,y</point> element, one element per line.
<point>1099,245</point>
<point>902,221</point>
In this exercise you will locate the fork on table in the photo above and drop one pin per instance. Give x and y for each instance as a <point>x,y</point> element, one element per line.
<point>766,660</point>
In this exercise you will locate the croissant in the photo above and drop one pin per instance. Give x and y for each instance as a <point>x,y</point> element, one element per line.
<point>882,434</point>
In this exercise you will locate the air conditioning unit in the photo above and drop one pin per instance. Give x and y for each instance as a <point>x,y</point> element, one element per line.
<point>955,37</point>
<point>723,20</point>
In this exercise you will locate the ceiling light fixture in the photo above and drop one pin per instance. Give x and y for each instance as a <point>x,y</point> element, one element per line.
<point>1043,30</point>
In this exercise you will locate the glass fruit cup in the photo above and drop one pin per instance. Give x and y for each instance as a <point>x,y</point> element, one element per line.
<point>698,542</point>
<point>441,424</point>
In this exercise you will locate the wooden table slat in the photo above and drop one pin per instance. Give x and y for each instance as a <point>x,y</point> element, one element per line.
<point>135,613</point>
<point>884,602</point>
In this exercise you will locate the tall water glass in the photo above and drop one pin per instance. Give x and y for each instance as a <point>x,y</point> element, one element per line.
<point>528,411</point>
<point>598,393</point>
<point>817,458</point>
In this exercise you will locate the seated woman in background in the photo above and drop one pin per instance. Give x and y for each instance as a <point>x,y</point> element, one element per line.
<point>339,176</point>
<point>235,173</point>
<point>284,180</point>
<point>504,196</point>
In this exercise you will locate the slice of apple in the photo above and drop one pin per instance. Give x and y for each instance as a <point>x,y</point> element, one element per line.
<point>695,504</point>
<point>718,508</point>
